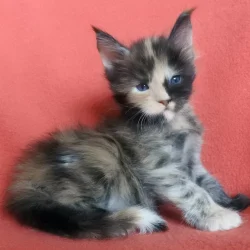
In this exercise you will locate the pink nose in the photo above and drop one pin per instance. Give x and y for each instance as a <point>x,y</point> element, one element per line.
<point>164,102</point>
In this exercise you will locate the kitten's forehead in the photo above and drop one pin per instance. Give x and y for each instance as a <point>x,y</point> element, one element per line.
<point>152,48</point>
<point>150,57</point>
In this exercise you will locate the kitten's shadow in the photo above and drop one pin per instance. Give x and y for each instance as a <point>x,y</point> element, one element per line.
<point>171,213</point>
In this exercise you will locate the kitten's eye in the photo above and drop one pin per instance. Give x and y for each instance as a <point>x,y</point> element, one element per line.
<point>175,80</point>
<point>142,87</point>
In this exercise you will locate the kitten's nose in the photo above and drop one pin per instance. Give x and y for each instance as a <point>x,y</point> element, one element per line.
<point>165,102</point>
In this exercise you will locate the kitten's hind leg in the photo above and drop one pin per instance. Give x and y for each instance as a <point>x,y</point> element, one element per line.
<point>216,191</point>
<point>198,208</point>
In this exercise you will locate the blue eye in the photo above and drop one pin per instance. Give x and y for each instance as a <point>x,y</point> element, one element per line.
<point>142,87</point>
<point>175,80</point>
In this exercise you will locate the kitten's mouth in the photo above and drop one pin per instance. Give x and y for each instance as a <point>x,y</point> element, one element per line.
<point>169,111</point>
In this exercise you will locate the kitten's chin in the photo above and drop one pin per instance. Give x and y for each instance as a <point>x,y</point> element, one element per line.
<point>169,115</point>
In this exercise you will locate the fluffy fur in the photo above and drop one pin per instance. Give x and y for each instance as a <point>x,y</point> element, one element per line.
<point>107,182</point>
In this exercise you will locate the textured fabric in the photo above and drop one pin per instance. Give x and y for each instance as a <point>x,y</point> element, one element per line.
<point>51,77</point>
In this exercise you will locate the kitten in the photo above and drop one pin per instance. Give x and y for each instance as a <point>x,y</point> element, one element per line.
<point>107,182</point>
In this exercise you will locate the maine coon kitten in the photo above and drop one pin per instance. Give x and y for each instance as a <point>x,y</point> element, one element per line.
<point>106,182</point>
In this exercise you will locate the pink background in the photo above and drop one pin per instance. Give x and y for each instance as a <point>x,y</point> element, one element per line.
<point>51,77</point>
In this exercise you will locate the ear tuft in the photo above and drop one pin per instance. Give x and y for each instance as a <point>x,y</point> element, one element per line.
<point>188,12</point>
<point>95,29</point>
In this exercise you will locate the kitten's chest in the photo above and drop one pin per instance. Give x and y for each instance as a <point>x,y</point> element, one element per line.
<point>176,147</point>
<point>175,155</point>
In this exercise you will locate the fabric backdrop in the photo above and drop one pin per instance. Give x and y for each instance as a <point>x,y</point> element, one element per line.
<point>51,77</point>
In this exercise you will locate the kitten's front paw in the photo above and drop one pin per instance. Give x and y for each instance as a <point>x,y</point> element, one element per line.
<point>240,202</point>
<point>221,219</point>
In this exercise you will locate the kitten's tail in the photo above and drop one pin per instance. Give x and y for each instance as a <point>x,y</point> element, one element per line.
<point>70,222</point>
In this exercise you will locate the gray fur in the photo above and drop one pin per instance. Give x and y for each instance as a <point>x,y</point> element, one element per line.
<point>106,182</point>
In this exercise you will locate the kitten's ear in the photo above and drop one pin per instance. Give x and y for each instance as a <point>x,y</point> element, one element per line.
<point>181,35</point>
<point>109,48</point>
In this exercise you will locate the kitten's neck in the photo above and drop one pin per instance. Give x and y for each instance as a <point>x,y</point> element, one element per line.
<point>134,116</point>
<point>184,119</point>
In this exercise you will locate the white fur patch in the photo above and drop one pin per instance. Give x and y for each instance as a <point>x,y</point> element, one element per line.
<point>147,220</point>
<point>171,106</point>
<point>221,219</point>
<point>169,115</point>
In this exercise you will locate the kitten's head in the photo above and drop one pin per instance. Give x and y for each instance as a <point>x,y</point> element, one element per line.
<point>154,75</point>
